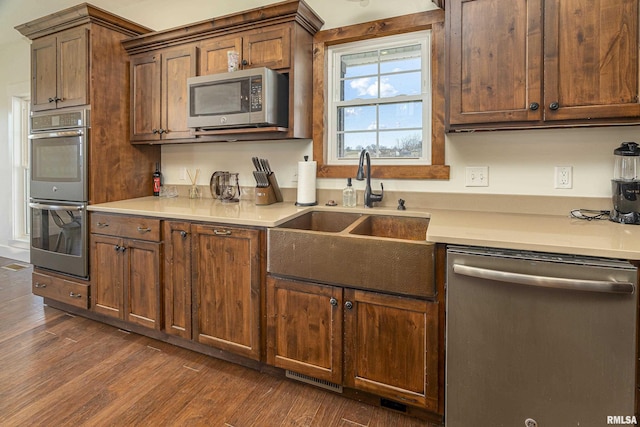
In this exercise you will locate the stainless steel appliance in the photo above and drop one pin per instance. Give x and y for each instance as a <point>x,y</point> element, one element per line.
<point>247,98</point>
<point>539,339</point>
<point>59,190</point>
<point>625,185</point>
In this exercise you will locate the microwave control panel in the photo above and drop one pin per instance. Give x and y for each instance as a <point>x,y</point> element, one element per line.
<point>256,93</point>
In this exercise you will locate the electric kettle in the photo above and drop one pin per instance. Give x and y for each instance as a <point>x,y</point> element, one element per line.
<point>625,185</point>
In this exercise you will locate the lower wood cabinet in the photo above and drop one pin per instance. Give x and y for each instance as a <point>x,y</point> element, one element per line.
<point>212,285</point>
<point>64,289</point>
<point>383,344</point>
<point>125,271</point>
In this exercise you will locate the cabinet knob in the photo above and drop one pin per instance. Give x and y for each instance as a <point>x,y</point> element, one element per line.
<point>534,106</point>
<point>122,249</point>
<point>116,248</point>
<point>52,100</point>
<point>183,234</point>
<point>154,131</point>
<point>348,305</point>
<point>74,295</point>
<point>554,106</point>
<point>245,62</point>
<point>333,302</point>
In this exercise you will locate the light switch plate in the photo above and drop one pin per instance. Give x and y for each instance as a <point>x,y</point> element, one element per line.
<point>476,176</point>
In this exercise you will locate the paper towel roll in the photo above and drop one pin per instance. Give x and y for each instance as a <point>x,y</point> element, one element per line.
<point>307,184</point>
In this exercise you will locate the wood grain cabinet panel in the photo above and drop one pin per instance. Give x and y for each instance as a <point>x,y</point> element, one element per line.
<point>159,94</point>
<point>213,54</point>
<point>226,285</point>
<point>542,62</point>
<point>68,290</point>
<point>126,272</point>
<point>177,278</point>
<point>304,328</point>
<point>60,70</point>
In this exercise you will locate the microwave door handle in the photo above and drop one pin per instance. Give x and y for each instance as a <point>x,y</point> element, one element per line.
<point>61,134</point>
<point>47,207</point>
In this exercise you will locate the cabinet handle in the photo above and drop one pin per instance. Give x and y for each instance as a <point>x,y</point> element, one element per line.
<point>58,99</point>
<point>73,295</point>
<point>348,305</point>
<point>222,232</point>
<point>40,285</point>
<point>554,106</point>
<point>333,301</point>
<point>117,248</point>
<point>144,230</point>
<point>102,224</point>
<point>183,234</point>
<point>534,106</point>
<point>122,249</point>
<point>52,100</point>
<point>155,131</point>
<point>245,62</point>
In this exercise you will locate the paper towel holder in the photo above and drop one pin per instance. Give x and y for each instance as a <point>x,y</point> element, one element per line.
<point>314,203</point>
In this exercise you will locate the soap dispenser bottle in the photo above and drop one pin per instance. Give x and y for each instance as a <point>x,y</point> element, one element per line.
<point>349,195</point>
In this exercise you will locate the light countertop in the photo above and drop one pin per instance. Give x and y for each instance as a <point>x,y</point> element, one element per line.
<point>533,232</point>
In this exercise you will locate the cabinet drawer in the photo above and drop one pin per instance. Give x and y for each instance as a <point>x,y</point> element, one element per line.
<point>134,227</point>
<point>59,289</point>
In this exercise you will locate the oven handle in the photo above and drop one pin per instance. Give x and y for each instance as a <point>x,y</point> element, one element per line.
<point>47,207</point>
<point>546,282</point>
<point>60,134</point>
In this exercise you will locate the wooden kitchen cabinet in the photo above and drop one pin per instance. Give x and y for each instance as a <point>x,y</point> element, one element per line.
<point>271,48</point>
<point>159,94</point>
<point>66,289</point>
<point>226,285</point>
<point>542,63</point>
<point>125,268</point>
<point>177,278</point>
<point>383,344</point>
<point>60,70</point>
<point>304,328</point>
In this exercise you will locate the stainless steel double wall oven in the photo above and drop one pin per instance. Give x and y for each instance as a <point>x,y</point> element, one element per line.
<point>59,190</point>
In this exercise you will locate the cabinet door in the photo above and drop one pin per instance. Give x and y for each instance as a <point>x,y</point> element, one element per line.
<point>142,283</point>
<point>43,73</point>
<point>226,282</point>
<point>591,59</point>
<point>107,264</point>
<point>177,66</point>
<point>177,278</point>
<point>73,68</point>
<point>213,54</point>
<point>304,328</point>
<point>495,61</point>
<point>391,347</point>
<point>145,97</point>
<point>270,48</point>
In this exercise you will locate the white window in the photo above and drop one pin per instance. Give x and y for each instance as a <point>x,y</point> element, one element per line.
<point>21,169</point>
<point>379,99</point>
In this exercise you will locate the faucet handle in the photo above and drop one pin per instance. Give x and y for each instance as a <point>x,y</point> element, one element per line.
<point>378,197</point>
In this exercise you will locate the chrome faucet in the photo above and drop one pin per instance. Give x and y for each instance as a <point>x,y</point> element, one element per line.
<point>369,196</point>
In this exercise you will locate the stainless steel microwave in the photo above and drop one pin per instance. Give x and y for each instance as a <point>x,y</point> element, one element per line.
<point>254,97</point>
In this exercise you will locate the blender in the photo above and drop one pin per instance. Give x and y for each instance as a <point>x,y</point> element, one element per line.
<point>625,185</point>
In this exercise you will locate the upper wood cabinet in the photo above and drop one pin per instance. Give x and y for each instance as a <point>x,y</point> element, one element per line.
<point>542,63</point>
<point>59,70</point>
<point>159,94</point>
<point>277,36</point>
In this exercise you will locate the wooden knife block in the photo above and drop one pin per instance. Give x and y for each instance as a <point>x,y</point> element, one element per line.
<point>271,194</point>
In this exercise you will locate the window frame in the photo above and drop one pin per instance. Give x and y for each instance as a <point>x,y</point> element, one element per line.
<point>433,20</point>
<point>335,53</point>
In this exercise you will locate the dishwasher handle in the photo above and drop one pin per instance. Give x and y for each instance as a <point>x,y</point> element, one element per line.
<point>546,282</point>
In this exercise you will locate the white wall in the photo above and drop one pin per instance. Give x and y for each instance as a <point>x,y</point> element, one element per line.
<point>520,162</point>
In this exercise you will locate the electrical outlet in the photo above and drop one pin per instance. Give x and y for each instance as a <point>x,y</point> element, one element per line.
<point>183,174</point>
<point>477,176</point>
<point>563,177</point>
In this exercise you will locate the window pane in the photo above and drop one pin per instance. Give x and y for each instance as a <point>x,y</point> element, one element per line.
<point>359,64</point>
<point>401,116</point>
<point>357,118</point>
<point>406,143</point>
<point>405,58</point>
<point>362,88</point>
<point>400,84</point>
<point>354,142</point>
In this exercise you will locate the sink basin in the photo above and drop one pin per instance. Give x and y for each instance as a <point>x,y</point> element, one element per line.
<point>331,222</point>
<point>373,252</point>
<point>394,227</point>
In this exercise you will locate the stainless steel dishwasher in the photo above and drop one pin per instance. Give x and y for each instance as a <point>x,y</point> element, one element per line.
<point>538,339</point>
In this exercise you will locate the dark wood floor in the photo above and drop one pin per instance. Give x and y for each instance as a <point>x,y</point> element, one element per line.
<point>61,370</point>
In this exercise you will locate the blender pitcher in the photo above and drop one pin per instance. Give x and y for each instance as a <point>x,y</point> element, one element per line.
<point>625,185</point>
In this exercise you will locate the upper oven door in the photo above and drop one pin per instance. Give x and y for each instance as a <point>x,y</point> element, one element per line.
<point>58,165</point>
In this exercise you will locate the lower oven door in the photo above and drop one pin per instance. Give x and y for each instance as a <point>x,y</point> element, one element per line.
<point>59,236</point>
